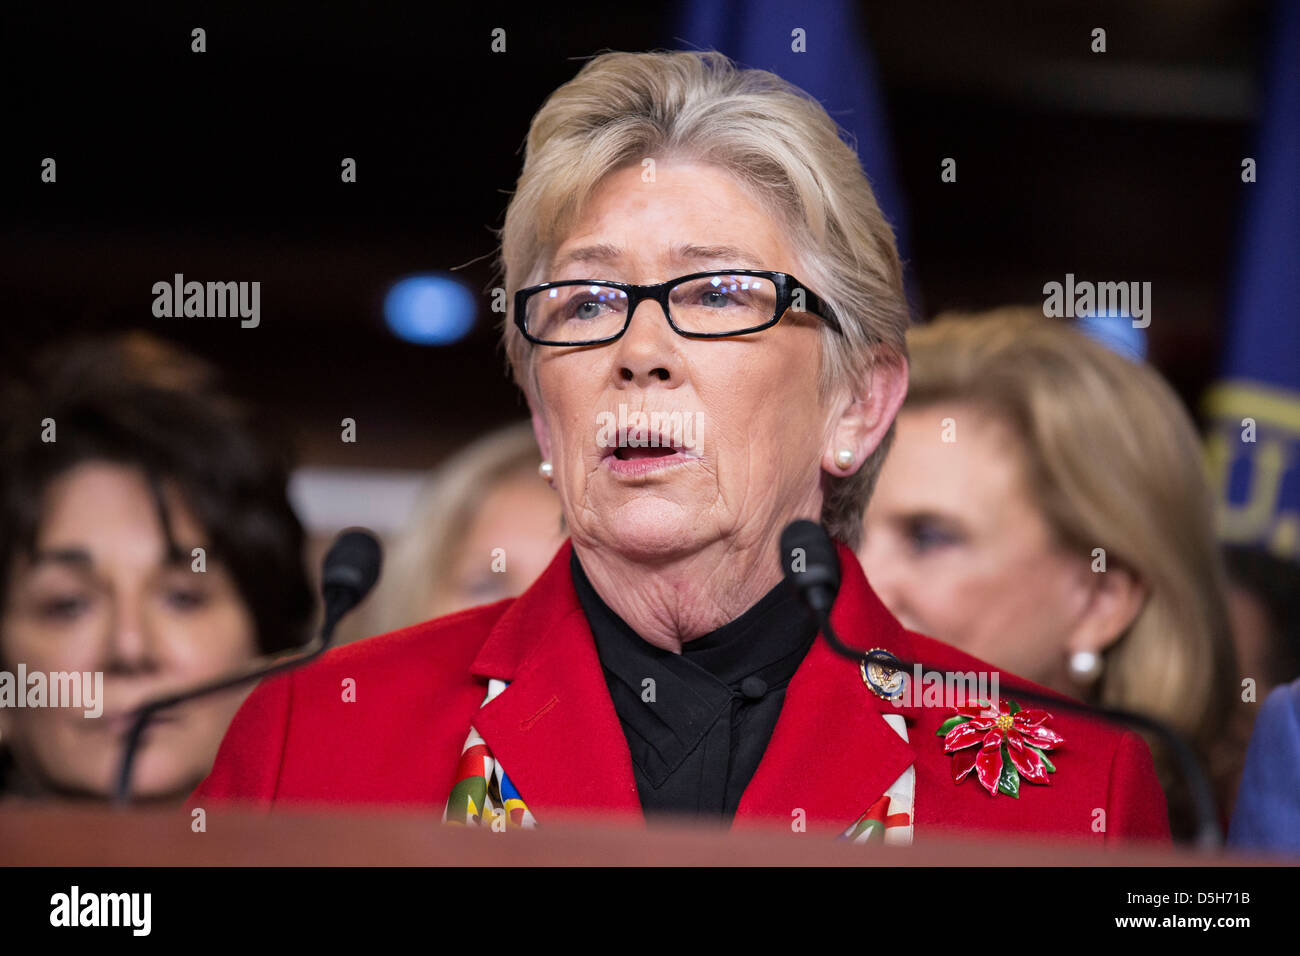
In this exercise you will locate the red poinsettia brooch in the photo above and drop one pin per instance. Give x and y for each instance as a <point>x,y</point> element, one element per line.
<point>1000,745</point>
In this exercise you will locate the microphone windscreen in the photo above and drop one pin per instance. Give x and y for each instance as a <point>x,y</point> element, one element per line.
<point>352,563</point>
<point>808,556</point>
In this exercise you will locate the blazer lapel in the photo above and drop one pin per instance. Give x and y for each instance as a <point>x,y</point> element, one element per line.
<point>832,754</point>
<point>554,729</point>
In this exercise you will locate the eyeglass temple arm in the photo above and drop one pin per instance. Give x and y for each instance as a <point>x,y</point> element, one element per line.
<point>818,306</point>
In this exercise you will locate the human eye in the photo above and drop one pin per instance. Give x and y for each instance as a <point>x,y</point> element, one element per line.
<point>56,597</point>
<point>484,589</point>
<point>185,599</point>
<point>587,303</point>
<point>178,593</point>
<point>63,607</point>
<point>928,535</point>
<point>727,292</point>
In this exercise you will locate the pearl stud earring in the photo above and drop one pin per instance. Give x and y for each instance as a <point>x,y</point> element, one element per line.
<point>546,470</point>
<point>1085,667</point>
<point>844,457</point>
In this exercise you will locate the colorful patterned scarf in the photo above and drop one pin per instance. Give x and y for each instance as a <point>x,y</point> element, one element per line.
<point>889,819</point>
<point>483,792</point>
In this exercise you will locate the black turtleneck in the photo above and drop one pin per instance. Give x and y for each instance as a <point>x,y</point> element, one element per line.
<point>697,723</point>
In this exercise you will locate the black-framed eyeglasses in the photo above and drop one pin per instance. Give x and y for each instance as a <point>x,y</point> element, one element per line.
<point>702,305</point>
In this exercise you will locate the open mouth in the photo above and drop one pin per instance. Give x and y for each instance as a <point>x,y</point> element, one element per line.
<point>634,454</point>
<point>655,452</point>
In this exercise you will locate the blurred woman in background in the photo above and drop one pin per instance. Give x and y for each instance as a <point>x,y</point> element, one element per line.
<point>484,528</point>
<point>1264,607</point>
<point>1044,508</point>
<point>119,465</point>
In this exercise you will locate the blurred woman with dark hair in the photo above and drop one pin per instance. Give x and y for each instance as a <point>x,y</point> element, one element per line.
<point>145,534</point>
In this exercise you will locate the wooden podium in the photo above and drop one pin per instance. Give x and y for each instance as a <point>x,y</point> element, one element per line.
<point>76,835</point>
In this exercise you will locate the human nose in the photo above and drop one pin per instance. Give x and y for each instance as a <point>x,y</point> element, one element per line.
<point>129,645</point>
<point>647,350</point>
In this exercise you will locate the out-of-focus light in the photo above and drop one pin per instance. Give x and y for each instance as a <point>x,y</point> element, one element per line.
<point>1115,331</point>
<point>429,309</point>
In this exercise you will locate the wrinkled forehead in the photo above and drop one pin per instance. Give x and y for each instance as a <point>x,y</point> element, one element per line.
<point>688,216</point>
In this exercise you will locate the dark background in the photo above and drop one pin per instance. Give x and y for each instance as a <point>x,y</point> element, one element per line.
<point>225,166</point>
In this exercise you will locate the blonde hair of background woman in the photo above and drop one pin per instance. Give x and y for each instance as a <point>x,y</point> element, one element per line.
<point>780,144</point>
<point>419,562</point>
<point>1114,462</point>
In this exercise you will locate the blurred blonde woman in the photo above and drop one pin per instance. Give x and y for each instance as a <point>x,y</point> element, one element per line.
<point>1026,455</point>
<point>484,527</point>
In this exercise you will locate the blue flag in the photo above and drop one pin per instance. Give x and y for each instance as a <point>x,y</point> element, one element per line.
<point>1254,410</point>
<point>820,48</point>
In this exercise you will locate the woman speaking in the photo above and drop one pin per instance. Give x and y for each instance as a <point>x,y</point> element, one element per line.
<point>707,318</point>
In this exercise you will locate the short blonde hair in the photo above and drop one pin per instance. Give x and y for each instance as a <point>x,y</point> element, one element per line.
<point>421,558</point>
<point>779,144</point>
<point>1113,461</point>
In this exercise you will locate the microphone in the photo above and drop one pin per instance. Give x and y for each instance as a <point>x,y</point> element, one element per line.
<point>814,567</point>
<point>811,566</point>
<point>349,571</point>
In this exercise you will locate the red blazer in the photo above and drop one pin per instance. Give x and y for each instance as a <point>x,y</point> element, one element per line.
<point>297,741</point>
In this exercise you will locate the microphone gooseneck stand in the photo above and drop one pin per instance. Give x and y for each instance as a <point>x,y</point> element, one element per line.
<point>349,571</point>
<point>817,581</point>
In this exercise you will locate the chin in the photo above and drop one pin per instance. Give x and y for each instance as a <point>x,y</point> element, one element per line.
<point>653,530</point>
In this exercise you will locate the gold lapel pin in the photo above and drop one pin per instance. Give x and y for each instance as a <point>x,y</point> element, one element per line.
<point>882,672</point>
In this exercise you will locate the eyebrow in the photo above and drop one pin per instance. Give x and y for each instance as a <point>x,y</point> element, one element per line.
<point>915,516</point>
<point>78,557</point>
<point>605,253</point>
<point>733,255</point>
<point>601,252</point>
